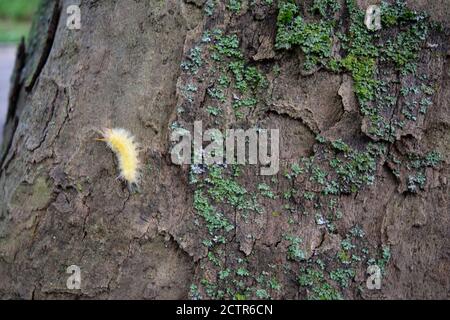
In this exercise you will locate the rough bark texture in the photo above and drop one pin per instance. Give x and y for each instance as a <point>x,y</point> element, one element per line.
<point>61,204</point>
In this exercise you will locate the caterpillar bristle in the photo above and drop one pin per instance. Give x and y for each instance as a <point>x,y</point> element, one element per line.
<point>123,144</point>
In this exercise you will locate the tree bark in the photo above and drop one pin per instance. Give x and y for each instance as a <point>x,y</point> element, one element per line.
<point>131,65</point>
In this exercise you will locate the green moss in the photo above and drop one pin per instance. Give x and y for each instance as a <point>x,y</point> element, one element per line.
<point>194,293</point>
<point>214,220</point>
<point>358,169</point>
<point>344,257</point>
<point>286,13</point>
<point>246,77</point>
<point>342,276</point>
<point>320,289</point>
<point>313,38</point>
<point>214,259</point>
<point>209,7</point>
<point>216,189</point>
<point>398,14</point>
<point>385,258</point>
<point>318,175</point>
<point>234,5</point>
<point>262,294</point>
<point>414,169</point>
<point>216,93</point>
<point>294,252</point>
<point>227,190</point>
<point>266,191</point>
<point>309,195</point>
<point>248,80</point>
<point>210,288</point>
<point>238,103</point>
<point>227,45</point>
<point>223,274</point>
<point>404,49</point>
<point>362,70</point>
<point>364,50</point>
<point>295,171</point>
<point>242,272</point>
<point>341,146</point>
<point>336,167</point>
<point>325,8</point>
<point>359,41</point>
<point>214,111</point>
<point>432,159</point>
<point>349,170</point>
<point>195,60</point>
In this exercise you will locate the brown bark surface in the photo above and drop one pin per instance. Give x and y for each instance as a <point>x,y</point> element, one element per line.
<point>61,204</point>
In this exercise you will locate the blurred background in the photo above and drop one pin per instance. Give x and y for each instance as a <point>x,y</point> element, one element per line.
<point>15,22</point>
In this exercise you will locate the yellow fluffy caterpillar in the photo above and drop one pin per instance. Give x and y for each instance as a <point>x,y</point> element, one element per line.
<point>122,143</point>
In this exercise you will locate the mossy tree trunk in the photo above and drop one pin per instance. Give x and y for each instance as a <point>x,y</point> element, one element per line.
<point>364,152</point>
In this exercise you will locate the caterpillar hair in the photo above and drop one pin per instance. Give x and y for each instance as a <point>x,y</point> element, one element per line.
<point>123,144</point>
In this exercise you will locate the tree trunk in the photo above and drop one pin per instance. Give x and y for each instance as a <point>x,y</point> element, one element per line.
<point>348,194</point>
